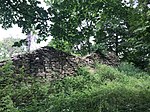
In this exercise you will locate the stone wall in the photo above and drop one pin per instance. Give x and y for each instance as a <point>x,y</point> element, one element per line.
<point>47,62</point>
<point>50,63</point>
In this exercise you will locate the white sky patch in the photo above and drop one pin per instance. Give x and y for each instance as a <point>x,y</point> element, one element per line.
<point>43,4</point>
<point>14,32</point>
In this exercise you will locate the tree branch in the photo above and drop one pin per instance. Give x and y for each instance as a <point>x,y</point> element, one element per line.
<point>23,13</point>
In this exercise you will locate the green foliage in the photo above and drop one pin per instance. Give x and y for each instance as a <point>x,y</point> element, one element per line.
<point>79,21</point>
<point>107,89</point>
<point>129,69</point>
<point>6,105</point>
<point>114,26</point>
<point>61,45</point>
<point>137,45</point>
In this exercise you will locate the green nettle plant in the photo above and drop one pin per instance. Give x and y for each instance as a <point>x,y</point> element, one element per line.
<point>107,89</point>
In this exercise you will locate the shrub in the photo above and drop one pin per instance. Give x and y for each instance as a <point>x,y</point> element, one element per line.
<point>130,69</point>
<point>105,90</point>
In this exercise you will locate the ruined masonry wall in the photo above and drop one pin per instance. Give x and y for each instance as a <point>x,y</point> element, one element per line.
<point>50,63</point>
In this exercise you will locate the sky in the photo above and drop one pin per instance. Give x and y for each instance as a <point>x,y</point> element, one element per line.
<point>14,32</point>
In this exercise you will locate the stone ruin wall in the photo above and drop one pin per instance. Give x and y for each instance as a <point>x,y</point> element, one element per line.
<point>47,62</point>
<point>50,63</point>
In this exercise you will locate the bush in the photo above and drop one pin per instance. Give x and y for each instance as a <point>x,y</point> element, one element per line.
<point>130,69</point>
<point>105,90</point>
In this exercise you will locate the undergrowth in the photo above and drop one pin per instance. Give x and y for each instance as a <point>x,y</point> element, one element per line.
<point>107,89</point>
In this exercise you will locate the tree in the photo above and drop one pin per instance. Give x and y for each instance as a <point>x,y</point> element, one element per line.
<point>138,43</point>
<point>77,18</point>
<point>78,21</point>
<point>26,14</point>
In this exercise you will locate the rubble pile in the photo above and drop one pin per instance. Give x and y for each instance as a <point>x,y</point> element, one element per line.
<point>48,62</point>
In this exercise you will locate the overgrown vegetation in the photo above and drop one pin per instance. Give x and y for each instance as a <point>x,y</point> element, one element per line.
<point>118,26</point>
<point>105,89</point>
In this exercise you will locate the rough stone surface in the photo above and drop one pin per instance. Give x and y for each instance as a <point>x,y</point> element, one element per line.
<point>48,62</point>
